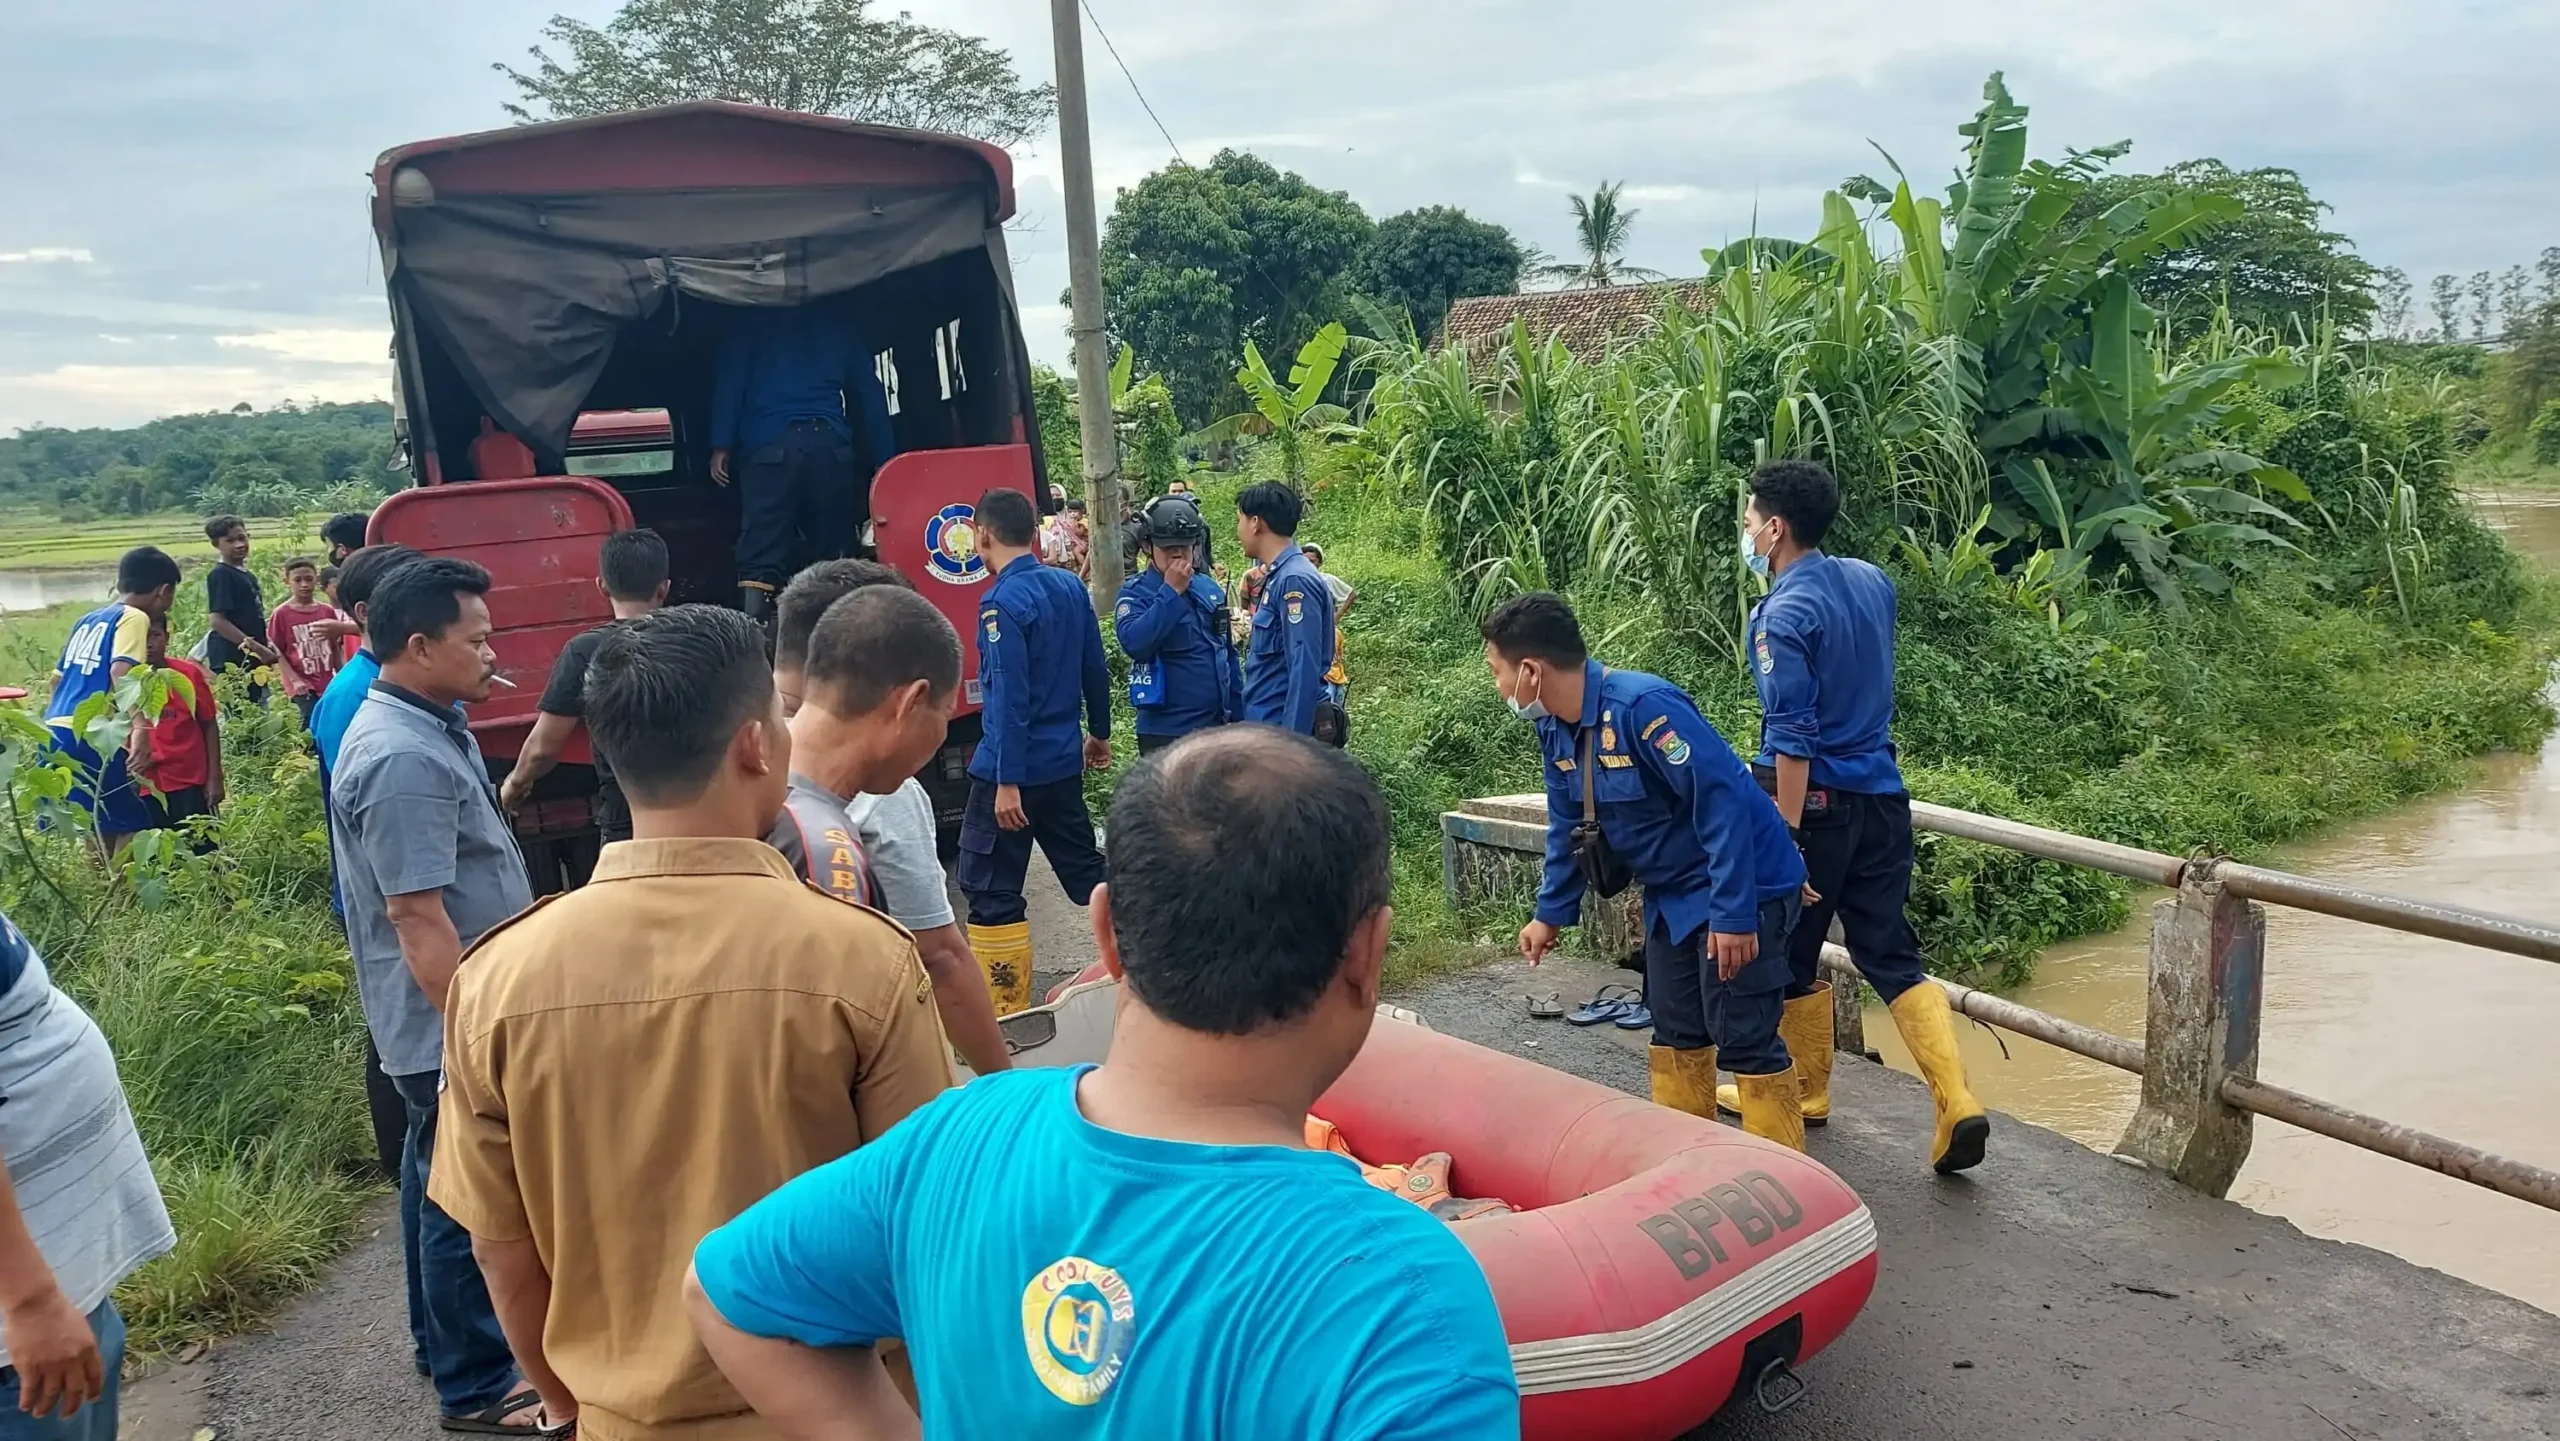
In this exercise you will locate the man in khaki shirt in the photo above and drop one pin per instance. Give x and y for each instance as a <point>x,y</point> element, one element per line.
<point>631,1064</point>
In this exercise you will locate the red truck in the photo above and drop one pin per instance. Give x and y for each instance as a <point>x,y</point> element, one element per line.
<point>557,295</point>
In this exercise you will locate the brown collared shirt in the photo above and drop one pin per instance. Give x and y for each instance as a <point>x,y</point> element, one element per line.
<point>631,1064</point>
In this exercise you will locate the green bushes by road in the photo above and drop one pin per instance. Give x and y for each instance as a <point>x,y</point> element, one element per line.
<point>224,986</point>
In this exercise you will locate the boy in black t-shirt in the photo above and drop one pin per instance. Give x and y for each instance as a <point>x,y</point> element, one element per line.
<point>235,610</point>
<point>632,572</point>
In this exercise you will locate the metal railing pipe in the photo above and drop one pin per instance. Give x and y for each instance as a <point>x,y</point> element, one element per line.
<point>2150,867</point>
<point>2104,1047</point>
<point>2501,1174</point>
<point>2425,918</point>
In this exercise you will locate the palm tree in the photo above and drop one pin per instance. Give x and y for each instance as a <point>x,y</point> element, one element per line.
<point>1600,228</point>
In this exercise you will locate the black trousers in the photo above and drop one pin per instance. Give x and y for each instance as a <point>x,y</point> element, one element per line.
<point>993,860</point>
<point>1694,1007</point>
<point>1858,858</point>
<point>802,487</point>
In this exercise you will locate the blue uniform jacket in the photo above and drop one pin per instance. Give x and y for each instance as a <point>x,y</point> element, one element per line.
<point>1822,656</point>
<point>1039,655</point>
<point>1199,680</point>
<point>1292,645</point>
<point>1676,804</point>
<point>781,364</point>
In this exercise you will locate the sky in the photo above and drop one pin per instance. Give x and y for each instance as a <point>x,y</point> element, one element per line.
<point>183,185</point>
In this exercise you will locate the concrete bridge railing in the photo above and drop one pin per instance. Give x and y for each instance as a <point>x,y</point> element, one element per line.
<point>2198,1055</point>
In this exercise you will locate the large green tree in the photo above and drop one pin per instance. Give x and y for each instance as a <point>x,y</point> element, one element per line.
<point>1198,260</point>
<point>825,57</point>
<point>2273,258</point>
<point>1426,260</point>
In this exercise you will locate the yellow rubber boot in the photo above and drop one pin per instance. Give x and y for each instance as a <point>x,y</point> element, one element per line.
<point>1004,957</point>
<point>1684,1080</point>
<point>1928,1028</point>
<point>1772,1107</point>
<point>1805,1025</point>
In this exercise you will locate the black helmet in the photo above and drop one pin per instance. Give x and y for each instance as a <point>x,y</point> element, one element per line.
<point>1173,520</point>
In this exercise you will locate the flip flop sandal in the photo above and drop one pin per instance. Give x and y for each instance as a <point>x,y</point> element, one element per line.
<point>492,1420</point>
<point>1545,1005</point>
<point>1607,1005</point>
<point>1636,1017</point>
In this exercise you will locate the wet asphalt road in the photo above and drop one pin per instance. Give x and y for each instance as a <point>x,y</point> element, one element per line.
<point>2052,1293</point>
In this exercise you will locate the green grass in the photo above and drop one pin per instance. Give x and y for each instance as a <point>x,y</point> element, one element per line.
<point>226,992</point>
<point>35,540</point>
<point>2510,470</point>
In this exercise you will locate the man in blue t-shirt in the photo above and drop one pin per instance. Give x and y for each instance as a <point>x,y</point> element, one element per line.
<point>1143,1249</point>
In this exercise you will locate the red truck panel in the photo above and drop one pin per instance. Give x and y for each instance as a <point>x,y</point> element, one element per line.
<point>923,513</point>
<point>538,539</point>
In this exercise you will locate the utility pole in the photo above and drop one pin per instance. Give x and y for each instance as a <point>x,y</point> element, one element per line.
<point>1084,285</point>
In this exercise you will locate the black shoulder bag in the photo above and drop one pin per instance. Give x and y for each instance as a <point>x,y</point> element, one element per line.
<point>1601,866</point>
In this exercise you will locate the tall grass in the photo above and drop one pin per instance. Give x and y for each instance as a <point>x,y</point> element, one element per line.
<point>225,990</point>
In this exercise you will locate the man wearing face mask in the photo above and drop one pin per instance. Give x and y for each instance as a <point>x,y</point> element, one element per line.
<point>1673,808</point>
<point>1822,657</point>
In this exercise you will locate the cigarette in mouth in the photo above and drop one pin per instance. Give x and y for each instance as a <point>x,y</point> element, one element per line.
<point>502,680</point>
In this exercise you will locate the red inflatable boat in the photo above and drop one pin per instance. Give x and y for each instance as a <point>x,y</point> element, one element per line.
<point>1654,1264</point>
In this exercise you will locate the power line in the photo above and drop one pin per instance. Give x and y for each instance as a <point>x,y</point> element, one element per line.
<point>1132,79</point>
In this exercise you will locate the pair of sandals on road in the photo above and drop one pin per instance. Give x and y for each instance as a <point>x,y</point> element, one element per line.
<point>1620,1006</point>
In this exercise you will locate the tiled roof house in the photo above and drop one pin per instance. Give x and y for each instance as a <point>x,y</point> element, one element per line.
<point>1585,320</point>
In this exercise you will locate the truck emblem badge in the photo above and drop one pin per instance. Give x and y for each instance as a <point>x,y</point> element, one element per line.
<point>950,545</point>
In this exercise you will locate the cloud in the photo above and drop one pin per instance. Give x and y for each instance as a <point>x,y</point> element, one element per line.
<point>201,178</point>
<point>77,396</point>
<point>364,346</point>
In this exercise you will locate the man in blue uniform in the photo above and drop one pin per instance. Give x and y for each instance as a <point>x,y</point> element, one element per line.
<point>104,645</point>
<point>1822,656</point>
<point>778,423</point>
<point>1172,620</point>
<point>1039,661</point>
<point>1676,813</point>
<point>1292,644</point>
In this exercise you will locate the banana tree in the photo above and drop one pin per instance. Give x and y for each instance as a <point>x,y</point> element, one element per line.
<point>1294,411</point>
<point>2019,280</point>
<point>2162,491</point>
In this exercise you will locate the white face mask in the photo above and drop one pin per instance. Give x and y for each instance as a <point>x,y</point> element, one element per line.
<point>1751,557</point>
<point>1526,710</point>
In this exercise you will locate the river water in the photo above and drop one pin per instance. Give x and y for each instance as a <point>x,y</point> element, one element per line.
<point>2446,1037</point>
<point>24,590</point>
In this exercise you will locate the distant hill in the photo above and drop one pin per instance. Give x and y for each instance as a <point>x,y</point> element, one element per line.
<point>256,462</point>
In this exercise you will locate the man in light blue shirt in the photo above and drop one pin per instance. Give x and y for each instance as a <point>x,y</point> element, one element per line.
<point>1145,1249</point>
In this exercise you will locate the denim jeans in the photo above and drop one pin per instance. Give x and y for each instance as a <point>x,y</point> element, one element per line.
<point>93,1422</point>
<point>466,1353</point>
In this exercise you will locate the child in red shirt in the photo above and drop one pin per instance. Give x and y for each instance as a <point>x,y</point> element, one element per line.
<point>305,632</point>
<point>184,758</point>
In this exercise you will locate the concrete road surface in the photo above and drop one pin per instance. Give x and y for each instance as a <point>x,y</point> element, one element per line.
<point>2053,1293</point>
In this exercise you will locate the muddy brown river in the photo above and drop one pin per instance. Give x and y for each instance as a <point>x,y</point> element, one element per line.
<point>2450,1038</point>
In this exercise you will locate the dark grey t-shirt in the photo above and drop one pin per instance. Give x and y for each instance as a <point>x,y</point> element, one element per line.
<point>411,809</point>
<point>566,695</point>
<point>820,840</point>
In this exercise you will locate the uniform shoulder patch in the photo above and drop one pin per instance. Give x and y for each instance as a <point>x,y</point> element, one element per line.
<point>1297,607</point>
<point>1657,723</point>
<point>1673,748</point>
